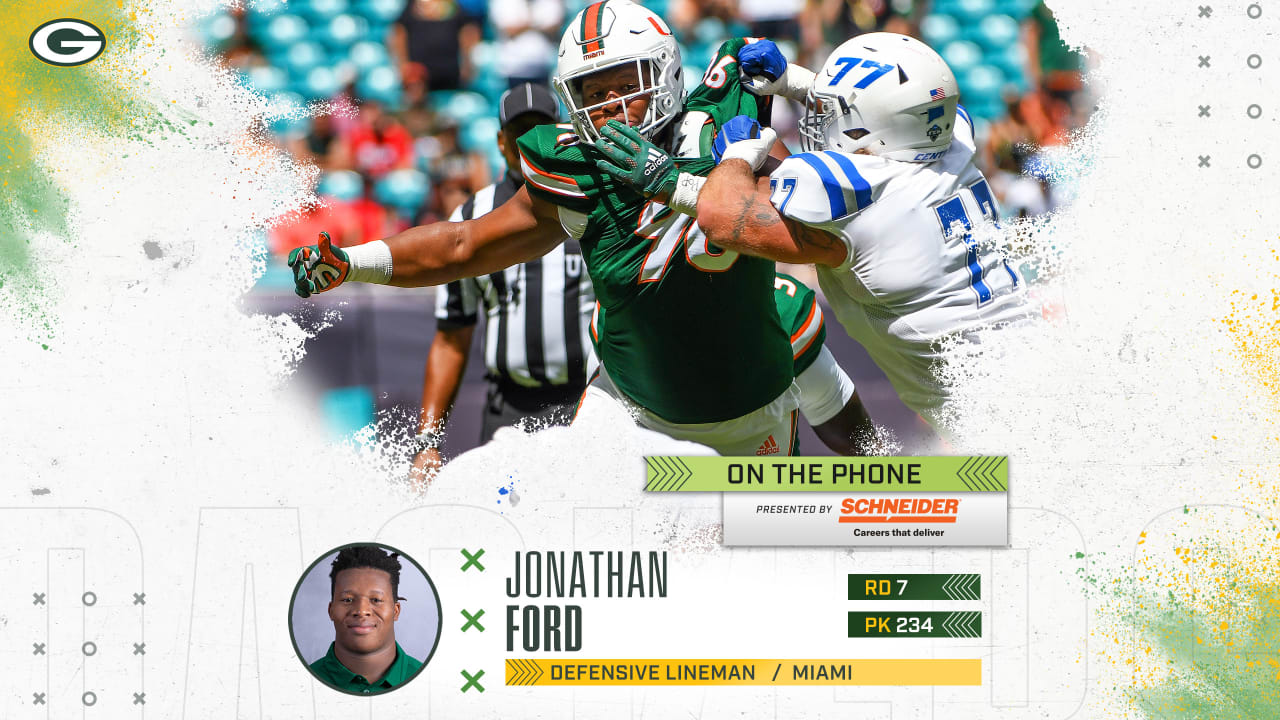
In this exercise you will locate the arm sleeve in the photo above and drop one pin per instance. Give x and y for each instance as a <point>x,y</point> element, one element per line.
<point>824,389</point>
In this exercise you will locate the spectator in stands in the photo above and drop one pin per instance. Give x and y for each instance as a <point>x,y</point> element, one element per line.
<point>442,153</point>
<point>537,316</point>
<point>432,43</point>
<point>528,31</point>
<point>378,142</point>
<point>323,145</point>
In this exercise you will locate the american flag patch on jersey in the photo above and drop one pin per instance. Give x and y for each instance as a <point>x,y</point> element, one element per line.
<point>937,94</point>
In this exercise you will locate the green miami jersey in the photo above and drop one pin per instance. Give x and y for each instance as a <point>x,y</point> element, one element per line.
<point>802,318</point>
<point>685,329</point>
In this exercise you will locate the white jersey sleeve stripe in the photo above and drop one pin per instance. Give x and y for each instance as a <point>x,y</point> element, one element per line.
<point>835,193</point>
<point>861,188</point>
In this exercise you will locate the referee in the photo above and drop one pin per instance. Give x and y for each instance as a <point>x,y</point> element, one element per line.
<point>537,315</point>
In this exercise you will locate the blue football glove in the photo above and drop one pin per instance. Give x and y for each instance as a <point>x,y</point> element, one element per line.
<point>761,59</point>
<point>742,138</point>
<point>741,127</point>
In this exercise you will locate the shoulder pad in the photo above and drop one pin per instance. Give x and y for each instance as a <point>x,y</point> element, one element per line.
<point>964,126</point>
<point>823,186</point>
<point>552,162</point>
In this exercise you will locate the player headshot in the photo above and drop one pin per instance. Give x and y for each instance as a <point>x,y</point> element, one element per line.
<point>364,657</point>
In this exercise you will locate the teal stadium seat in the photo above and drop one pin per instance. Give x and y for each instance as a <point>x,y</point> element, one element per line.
<point>403,190</point>
<point>1012,61</point>
<point>487,82</point>
<point>480,134</point>
<point>301,57</point>
<point>462,105</point>
<point>962,56</point>
<point>381,84</point>
<point>343,31</point>
<point>290,112</point>
<point>267,79</point>
<point>281,32</point>
<point>319,11</point>
<point>980,91</point>
<point>938,30</point>
<point>320,83</point>
<point>379,13</point>
<point>971,12</point>
<point>1016,9</point>
<point>217,30</point>
<point>366,55</point>
<point>259,14</point>
<point>997,32</point>
<point>345,185</point>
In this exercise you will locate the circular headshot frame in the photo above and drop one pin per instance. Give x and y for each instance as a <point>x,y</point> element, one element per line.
<point>329,555</point>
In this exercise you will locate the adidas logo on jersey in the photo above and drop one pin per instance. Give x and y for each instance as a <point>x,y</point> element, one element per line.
<point>768,447</point>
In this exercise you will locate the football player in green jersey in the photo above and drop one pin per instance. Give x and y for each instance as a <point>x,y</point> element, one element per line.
<point>827,397</point>
<point>676,315</point>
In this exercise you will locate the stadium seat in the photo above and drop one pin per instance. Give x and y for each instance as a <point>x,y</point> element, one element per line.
<point>267,79</point>
<point>980,91</point>
<point>281,32</point>
<point>997,32</point>
<point>404,190</point>
<point>1017,9</point>
<point>289,110</point>
<point>319,11</point>
<point>379,13</point>
<point>480,134</point>
<point>367,55</point>
<point>320,83</point>
<point>345,185</point>
<point>217,29</point>
<point>1012,61</point>
<point>938,30</point>
<point>301,57</point>
<point>461,105</point>
<point>343,31</point>
<point>961,55</point>
<point>260,13</point>
<point>381,84</point>
<point>971,12</point>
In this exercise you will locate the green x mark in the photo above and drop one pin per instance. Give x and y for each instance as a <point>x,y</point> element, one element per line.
<point>472,559</point>
<point>473,681</point>
<point>473,620</point>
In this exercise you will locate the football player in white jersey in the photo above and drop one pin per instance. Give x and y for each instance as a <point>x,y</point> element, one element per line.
<point>884,200</point>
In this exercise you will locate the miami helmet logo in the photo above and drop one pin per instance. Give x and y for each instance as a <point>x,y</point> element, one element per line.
<point>934,132</point>
<point>597,21</point>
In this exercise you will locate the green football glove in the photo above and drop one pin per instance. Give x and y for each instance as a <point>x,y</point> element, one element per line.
<point>634,161</point>
<point>317,268</point>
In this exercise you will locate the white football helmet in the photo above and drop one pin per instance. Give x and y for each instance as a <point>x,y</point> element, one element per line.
<point>887,93</point>
<point>618,32</point>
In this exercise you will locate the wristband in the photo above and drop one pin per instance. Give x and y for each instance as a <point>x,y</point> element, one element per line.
<point>684,199</point>
<point>796,81</point>
<point>370,262</point>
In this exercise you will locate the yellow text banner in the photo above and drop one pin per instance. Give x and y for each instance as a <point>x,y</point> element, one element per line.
<point>581,672</point>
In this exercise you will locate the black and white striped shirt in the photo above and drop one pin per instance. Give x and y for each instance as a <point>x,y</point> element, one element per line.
<point>537,314</point>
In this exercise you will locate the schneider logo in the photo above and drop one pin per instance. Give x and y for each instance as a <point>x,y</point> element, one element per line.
<point>67,42</point>
<point>899,510</point>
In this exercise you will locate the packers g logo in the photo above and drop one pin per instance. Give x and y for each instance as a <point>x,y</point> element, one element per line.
<point>67,42</point>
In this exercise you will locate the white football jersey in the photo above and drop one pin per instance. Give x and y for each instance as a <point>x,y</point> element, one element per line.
<point>914,273</point>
